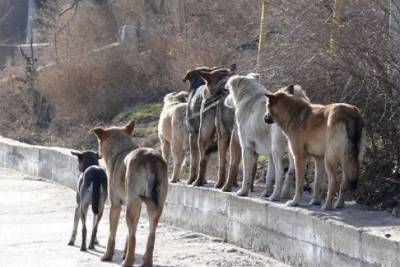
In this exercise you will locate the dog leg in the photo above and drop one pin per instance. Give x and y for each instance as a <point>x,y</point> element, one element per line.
<point>270,177</point>
<point>165,150</point>
<point>343,186</point>
<point>331,172</point>
<point>75,228</point>
<point>126,247</point>
<point>96,220</point>
<point>115,211</point>
<point>318,179</point>
<point>249,157</point>
<point>154,216</point>
<point>300,162</point>
<point>287,187</point>
<point>223,143</point>
<point>132,219</point>
<point>84,209</point>
<point>178,154</point>
<point>194,158</point>
<point>253,174</point>
<point>235,152</point>
<point>279,173</point>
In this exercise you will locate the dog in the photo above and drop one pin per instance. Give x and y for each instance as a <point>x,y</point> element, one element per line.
<point>257,138</point>
<point>332,134</point>
<point>136,175</point>
<point>91,189</point>
<point>205,115</point>
<point>172,130</point>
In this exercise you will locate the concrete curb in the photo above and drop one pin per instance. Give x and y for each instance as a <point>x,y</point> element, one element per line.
<point>299,236</point>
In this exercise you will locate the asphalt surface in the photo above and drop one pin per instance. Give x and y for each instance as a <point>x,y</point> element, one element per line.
<point>36,223</point>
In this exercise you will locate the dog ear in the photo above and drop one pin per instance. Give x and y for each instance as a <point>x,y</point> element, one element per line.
<point>130,127</point>
<point>233,68</point>
<point>228,102</point>
<point>76,154</point>
<point>99,132</point>
<point>290,89</point>
<point>271,98</point>
<point>207,76</point>
<point>187,76</point>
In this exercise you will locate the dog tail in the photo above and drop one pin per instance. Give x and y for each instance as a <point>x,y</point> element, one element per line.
<point>99,182</point>
<point>355,150</point>
<point>157,187</point>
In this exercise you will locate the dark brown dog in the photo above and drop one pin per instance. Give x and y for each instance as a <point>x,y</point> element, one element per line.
<point>206,114</point>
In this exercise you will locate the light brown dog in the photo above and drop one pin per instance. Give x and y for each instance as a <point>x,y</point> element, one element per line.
<point>136,175</point>
<point>332,134</point>
<point>172,130</point>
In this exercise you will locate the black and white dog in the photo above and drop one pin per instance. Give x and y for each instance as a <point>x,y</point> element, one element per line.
<point>91,189</point>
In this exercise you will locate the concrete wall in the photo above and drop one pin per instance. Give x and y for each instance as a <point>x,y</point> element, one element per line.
<point>298,236</point>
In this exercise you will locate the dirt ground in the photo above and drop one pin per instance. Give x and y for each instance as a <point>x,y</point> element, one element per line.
<point>36,222</point>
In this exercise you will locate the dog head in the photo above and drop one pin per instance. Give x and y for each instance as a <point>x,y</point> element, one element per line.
<point>176,97</point>
<point>86,159</point>
<point>239,86</point>
<point>276,102</point>
<point>194,78</point>
<point>115,139</point>
<point>216,80</point>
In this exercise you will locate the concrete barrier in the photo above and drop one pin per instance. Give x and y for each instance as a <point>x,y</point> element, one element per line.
<point>300,236</point>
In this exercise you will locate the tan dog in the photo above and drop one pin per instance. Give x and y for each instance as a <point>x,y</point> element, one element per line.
<point>172,130</point>
<point>136,175</point>
<point>331,134</point>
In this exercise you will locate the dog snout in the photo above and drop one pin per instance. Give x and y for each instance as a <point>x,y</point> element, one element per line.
<point>268,119</point>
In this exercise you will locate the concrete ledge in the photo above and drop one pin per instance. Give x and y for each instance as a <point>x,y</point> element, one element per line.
<point>300,236</point>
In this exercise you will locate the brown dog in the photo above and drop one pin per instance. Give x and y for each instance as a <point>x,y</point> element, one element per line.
<point>331,134</point>
<point>136,175</point>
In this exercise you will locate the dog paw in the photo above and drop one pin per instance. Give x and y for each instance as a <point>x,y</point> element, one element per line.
<point>226,189</point>
<point>338,205</point>
<point>146,264</point>
<point>198,182</point>
<point>292,203</point>
<point>106,258</point>
<point>326,207</point>
<point>91,246</point>
<point>174,181</point>
<point>83,249</point>
<point>265,194</point>
<point>125,264</point>
<point>274,198</point>
<point>189,182</point>
<point>314,202</point>
<point>218,185</point>
<point>71,243</point>
<point>242,193</point>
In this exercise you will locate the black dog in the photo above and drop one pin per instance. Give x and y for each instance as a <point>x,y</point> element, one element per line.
<point>92,189</point>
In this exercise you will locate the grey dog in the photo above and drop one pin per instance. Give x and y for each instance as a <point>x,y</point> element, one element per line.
<point>91,189</point>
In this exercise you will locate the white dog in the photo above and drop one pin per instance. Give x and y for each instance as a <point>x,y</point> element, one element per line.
<point>258,138</point>
<point>172,130</point>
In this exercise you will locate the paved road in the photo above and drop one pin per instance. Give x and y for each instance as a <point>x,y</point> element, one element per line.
<point>36,221</point>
